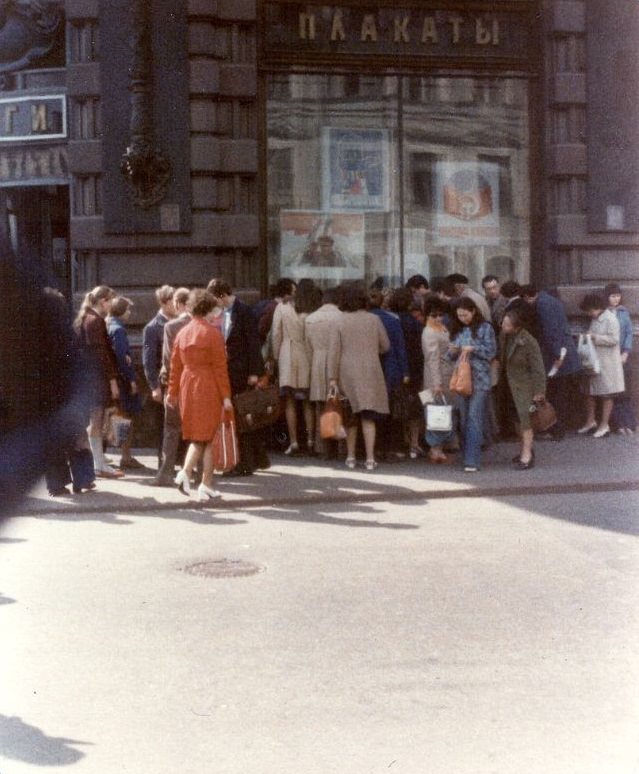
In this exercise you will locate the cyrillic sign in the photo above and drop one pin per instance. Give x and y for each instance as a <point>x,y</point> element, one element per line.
<point>33,118</point>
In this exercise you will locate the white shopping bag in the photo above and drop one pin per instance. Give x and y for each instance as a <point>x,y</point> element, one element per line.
<point>439,418</point>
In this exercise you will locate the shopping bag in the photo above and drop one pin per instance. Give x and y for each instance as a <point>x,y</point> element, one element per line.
<point>542,416</point>
<point>117,428</point>
<point>332,418</point>
<point>588,355</point>
<point>461,382</point>
<point>226,453</point>
<point>439,417</point>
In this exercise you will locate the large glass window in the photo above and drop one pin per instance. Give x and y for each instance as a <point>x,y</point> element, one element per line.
<point>389,176</point>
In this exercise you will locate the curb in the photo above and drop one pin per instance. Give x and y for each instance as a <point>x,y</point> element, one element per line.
<point>335,499</point>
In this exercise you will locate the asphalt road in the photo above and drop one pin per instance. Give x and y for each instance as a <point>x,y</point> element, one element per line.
<point>455,636</point>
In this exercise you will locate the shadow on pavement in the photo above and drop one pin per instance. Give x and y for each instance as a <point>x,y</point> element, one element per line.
<point>21,742</point>
<point>5,601</point>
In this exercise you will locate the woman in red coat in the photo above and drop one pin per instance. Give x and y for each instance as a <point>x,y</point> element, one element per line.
<point>199,384</point>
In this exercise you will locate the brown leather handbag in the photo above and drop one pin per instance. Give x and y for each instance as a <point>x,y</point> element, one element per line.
<point>257,408</point>
<point>542,416</point>
<point>461,381</point>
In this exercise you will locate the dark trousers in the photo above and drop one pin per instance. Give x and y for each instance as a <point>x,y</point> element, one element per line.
<point>623,413</point>
<point>563,392</point>
<point>172,443</point>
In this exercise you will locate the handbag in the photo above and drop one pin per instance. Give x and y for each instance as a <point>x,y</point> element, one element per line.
<point>257,408</point>
<point>461,382</point>
<point>542,416</point>
<point>226,453</point>
<point>332,418</point>
<point>439,417</point>
<point>588,355</point>
<point>117,428</point>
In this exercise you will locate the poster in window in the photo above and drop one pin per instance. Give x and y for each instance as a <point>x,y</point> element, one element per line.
<point>321,245</point>
<point>467,203</point>
<point>355,169</point>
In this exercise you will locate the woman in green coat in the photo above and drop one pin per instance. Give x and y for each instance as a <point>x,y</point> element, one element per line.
<point>523,367</point>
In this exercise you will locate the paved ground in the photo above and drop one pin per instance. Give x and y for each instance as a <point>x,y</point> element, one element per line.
<point>443,632</point>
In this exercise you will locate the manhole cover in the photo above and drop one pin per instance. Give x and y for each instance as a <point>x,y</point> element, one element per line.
<point>223,568</point>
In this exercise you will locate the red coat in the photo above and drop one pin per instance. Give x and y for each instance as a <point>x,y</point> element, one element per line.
<point>199,379</point>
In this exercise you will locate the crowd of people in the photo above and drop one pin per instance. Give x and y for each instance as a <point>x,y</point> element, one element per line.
<point>387,353</point>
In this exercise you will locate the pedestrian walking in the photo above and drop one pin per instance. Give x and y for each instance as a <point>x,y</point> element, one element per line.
<point>199,385</point>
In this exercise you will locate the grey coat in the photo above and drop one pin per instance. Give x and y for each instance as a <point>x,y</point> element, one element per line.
<point>356,343</point>
<point>437,366</point>
<point>318,327</point>
<point>605,335</point>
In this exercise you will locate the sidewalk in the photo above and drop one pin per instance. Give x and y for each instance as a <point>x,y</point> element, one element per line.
<point>574,465</point>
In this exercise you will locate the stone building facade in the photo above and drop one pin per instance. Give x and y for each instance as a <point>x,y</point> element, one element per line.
<point>230,91</point>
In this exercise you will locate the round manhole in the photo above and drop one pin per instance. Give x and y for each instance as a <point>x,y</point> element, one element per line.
<point>223,568</point>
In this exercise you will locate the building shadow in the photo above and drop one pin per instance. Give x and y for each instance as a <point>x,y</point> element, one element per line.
<point>20,741</point>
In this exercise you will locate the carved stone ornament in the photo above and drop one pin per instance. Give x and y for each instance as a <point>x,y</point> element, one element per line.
<point>145,169</point>
<point>28,30</point>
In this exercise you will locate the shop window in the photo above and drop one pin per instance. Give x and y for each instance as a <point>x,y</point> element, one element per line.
<point>385,175</point>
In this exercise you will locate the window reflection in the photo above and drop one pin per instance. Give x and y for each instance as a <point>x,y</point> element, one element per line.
<point>340,206</point>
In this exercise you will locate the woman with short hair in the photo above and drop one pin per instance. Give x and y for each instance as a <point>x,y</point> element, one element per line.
<point>437,371</point>
<point>604,333</point>
<point>523,367</point>
<point>199,384</point>
<point>130,402</point>
<point>357,341</point>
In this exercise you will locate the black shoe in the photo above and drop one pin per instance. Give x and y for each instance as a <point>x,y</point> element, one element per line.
<point>237,471</point>
<point>86,488</point>
<point>263,462</point>
<point>525,465</point>
<point>60,492</point>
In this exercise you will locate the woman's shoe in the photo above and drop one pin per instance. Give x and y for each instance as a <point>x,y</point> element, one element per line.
<point>601,432</point>
<point>525,465</point>
<point>183,482</point>
<point>109,473</point>
<point>131,464</point>
<point>205,493</point>
<point>88,488</point>
<point>470,469</point>
<point>371,465</point>
<point>587,428</point>
<point>350,463</point>
<point>292,449</point>
<point>416,452</point>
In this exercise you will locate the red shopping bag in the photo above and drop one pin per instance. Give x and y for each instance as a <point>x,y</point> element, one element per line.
<point>226,453</point>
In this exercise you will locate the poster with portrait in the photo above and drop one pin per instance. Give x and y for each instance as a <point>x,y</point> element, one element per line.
<point>467,203</point>
<point>355,169</point>
<point>321,245</point>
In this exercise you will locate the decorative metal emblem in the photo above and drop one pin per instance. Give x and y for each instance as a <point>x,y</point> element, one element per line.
<point>146,170</point>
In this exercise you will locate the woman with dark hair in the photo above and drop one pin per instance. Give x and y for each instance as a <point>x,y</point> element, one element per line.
<point>401,302</point>
<point>472,335</point>
<point>130,402</point>
<point>623,417</point>
<point>523,368</point>
<point>294,361</point>
<point>604,333</point>
<point>99,370</point>
<point>199,384</point>
<point>437,370</point>
<point>357,341</point>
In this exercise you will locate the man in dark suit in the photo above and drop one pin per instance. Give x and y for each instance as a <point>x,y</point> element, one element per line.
<point>559,352</point>
<point>245,365</point>
<point>152,338</point>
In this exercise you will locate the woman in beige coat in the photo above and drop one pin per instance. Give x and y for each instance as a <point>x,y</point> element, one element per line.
<point>605,335</point>
<point>356,343</point>
<point>438,369</point>
<point>294,365</point>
